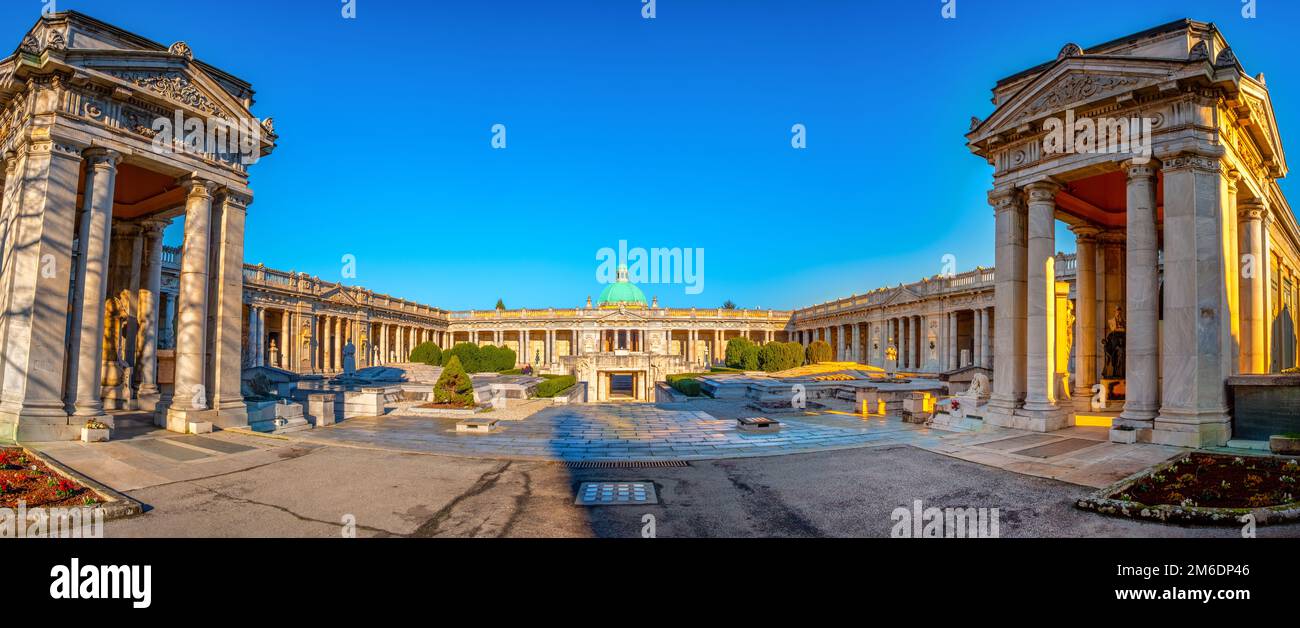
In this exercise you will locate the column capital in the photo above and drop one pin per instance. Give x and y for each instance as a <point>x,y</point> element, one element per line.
<point>1140,168</point>
<point>1042,190</point>
<point>1085,232</point>
<point>197,187</point>
<point>1233,176</point>
<point>100,157</point>
<point>234,197</point>
<point>1005,199</point>
<point>1113,237</point>
<point>154,226</point>
<point>1252,209</point>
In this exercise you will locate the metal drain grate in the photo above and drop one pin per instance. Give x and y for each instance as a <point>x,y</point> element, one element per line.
<point>625,464</point>
<point>616,494</point>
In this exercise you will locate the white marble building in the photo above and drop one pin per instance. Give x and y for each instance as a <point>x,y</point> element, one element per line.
<point>1206,205</point>
<point>87,192</point>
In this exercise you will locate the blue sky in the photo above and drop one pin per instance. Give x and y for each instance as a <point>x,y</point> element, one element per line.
<point>671,132</point>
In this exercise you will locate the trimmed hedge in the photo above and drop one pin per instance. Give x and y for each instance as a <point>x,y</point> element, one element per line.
<point>554,385</point>
<point>454,385</point>
<point>485,359</point>
<point>779,356</point>
<point>427,353</point>
<point>820,351</point>
<point>685,383</point>
<point>688,387</point>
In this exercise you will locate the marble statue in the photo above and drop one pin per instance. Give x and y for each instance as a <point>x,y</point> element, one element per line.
<point>979,386</point>
<point>1113,346</point>
<point>349,358</point>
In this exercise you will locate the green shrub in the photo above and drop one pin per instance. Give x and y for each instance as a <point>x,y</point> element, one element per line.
<point>554,385</point>
<point>426,353</point>
<point>496,359</point>
<point>749,357</point>
<point>779,356</point>
<point>794,354</point>
<point>454,385</point>
<point>485,359</point>
<point>820,351</point>
<point>671,379</point>
<point>489,359</point>
<point>468,354</point>
<point>735,355</point>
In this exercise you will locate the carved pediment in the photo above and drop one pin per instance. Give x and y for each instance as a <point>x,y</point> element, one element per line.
<point>900,295</point>
<point>176,86</point>
<point>1074,90</point>
<point>622,315</point>
<point>1070,86</point>
<point>340,296</point>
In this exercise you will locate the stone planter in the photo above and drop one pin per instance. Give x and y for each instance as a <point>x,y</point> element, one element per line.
<point>92,435</point>
<point>1285,445</point>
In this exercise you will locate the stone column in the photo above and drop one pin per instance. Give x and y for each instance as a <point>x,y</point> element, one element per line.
<point>857,344</point>
<point>1197,346</point>
<point>1234,271</point>
<point>1085,315</point>
<point>1142,355</point>
<point>952,341</point>
<point>227,282</point>
<point>188,411</point>
<point>1040,317</point>
<point>986,337</point>
<point>38,262</point>
<point>86,365</point>
<point>1253,357</point>
<point>148,393</point>
<point>913,343</point>
<point>978,330</point>
<point>1009,292</point>
<point>284,333</point>
<point>336,355</point>
<point>261,337</point>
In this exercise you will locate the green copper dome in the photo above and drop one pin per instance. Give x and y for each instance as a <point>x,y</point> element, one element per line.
<point>621,292</point>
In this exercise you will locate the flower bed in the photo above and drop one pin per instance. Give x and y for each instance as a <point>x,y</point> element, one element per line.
<point>27,479</point>
<point>1206,488</point>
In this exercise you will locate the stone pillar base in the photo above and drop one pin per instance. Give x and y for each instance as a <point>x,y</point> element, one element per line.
<point>1082,402</point>
<point>39,423</point>
<point>1207,430</point>
<point>231,414</point>
<point>189,421</point>
<point>1001,412</point>
<point>148,401</point>
<point>1047,419</point>
<point>118,397</point>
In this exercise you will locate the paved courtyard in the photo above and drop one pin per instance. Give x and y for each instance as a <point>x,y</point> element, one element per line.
<point>827,474</point>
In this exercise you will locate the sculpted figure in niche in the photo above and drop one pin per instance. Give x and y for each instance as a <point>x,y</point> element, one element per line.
<point>1113,346</point>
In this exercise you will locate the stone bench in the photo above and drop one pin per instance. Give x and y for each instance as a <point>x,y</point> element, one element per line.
<point>476,426</point>
<point>758,424</point>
